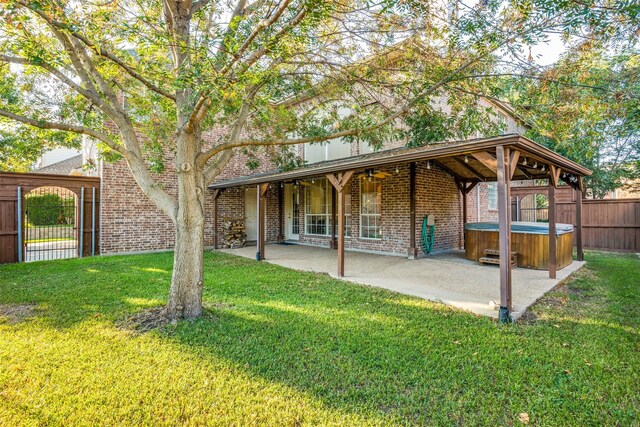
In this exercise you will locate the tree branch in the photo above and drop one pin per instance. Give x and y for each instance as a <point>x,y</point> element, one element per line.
<point>89,94</point>
<point>99,50</point>
<point>45,124</point>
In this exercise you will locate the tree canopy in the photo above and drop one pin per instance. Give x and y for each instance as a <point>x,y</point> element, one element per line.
<point>587,107</point>
<point>192,82</point>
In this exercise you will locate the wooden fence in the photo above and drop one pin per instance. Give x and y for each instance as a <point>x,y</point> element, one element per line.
<point>611,224</point>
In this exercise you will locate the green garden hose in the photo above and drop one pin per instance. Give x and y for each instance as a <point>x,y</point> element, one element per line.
<point>427,236</point>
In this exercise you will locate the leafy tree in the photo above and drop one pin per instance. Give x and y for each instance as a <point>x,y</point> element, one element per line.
<point>587,107</point>
<point>148,78</point>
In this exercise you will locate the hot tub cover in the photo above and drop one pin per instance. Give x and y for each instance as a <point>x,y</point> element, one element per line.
<point>521,227</point>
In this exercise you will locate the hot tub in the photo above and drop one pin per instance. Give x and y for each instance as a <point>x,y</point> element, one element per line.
<point>529,239</point>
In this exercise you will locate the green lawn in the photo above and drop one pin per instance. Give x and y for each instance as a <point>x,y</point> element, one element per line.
<point>280,347</point>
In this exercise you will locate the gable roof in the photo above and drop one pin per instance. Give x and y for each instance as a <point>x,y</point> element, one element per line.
<point>63,167</point>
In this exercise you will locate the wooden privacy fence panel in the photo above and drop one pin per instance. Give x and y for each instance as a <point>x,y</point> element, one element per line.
<point>611,224</point>
<point>86,189</point>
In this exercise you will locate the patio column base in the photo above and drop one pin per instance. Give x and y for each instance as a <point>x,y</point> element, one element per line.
<point>412,253</point>
<point>504,316</point>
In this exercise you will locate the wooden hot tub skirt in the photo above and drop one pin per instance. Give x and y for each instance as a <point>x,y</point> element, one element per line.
<point>532,247</point>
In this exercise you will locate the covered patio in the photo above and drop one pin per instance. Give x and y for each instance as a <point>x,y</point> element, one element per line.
<point>446,277</point>
<point>469,286</point>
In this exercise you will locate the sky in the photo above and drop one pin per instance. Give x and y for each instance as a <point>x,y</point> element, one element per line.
<point>548,53</point>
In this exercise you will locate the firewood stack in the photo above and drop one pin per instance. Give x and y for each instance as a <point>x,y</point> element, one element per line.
<point>234,235</point>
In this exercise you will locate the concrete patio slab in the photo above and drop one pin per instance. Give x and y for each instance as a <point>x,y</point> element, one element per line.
<point>447,277</point>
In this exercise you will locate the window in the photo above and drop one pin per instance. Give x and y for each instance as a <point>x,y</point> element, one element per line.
<point>317,202</point>
<point>370,209</point>
<point>335,149</point>
<point>492,196</point>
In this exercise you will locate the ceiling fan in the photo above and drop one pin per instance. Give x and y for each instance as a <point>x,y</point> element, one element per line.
<point>369,174</point>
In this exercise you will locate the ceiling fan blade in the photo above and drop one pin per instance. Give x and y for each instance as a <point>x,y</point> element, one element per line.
<point>381,175</point>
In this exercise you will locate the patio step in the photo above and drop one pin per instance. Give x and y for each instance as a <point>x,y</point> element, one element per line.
<point>492,256</point>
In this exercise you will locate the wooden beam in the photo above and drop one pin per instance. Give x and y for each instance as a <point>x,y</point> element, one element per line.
<point>446,169</point>
<point>514,156</point>
<point>487,160</point>
<point>579,249</point>
<point>523,171</point>
<point>552,231</point>
<point>504,233</point>
<point>470,186</point>
<point>413,250</point>
<point>469,168</point>
<point>262,196</point>
<point>262,189</point>
<point>339,182</point>
<point>554,175</point>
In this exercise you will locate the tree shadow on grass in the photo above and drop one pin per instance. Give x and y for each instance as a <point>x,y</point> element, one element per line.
<point>362,350</point>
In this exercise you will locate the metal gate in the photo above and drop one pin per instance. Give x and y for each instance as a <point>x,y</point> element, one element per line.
<point>51,229</point>
<point>45,217</point>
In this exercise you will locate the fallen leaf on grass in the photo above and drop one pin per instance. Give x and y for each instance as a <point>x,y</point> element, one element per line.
<point>523,418</point>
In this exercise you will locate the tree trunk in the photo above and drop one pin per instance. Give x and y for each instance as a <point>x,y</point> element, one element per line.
<point>185,296</point>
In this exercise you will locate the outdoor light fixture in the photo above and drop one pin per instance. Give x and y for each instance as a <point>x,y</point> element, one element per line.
<point>535,165</point>
<point>466,159</point>
<point>428,164</point>
<point>397,170</point>
<point>525,161</point>
<point>543,166</point>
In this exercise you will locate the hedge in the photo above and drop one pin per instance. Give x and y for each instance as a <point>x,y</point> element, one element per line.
<point>49,209</point>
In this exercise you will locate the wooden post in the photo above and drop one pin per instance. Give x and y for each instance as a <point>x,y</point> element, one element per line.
<point>464,215</point>
<point>579,249</point>
<point>552,231</point>
<point>504,229</point>
<point>334,213</point>
<point>262,196</point>
<point>413,250</point>
<point>281,213</point>
<point>216,195</point>
<point>465,188</point>
<point>339,182</point>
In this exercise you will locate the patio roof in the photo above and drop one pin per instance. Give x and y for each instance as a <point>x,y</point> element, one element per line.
<point>471,160</point>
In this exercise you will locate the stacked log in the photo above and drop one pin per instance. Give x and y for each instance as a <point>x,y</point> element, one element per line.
<point>233,233</point>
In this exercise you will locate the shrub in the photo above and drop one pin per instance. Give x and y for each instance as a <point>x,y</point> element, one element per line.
<point>49,209</point>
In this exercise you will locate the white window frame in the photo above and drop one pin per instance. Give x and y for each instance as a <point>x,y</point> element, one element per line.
<point>327,208</point>
<point>377,216</point>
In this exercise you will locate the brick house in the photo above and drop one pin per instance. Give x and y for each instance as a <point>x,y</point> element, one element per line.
<point>376,208</point>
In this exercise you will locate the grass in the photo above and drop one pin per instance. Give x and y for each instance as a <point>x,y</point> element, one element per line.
<point>280,347</point>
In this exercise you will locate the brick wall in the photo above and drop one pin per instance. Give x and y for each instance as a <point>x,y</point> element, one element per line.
<point>131,222</point>
<point>437,194</point>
